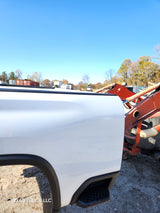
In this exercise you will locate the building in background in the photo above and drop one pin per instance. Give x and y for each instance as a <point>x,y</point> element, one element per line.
<point>26,82</point>
<point>67,86</point>
<point>57,83</point>
<point>3,82</point>
<point>30,83</point>
<point>12,82</point>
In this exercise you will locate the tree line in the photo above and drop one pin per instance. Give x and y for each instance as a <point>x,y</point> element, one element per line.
<point>35,76</point>
<point>139,73</point>
<point>5,77</point>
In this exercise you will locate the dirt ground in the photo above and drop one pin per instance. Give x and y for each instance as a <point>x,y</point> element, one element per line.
<point>137,189</point>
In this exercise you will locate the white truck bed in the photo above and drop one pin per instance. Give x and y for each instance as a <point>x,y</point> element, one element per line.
<point>78,135</point>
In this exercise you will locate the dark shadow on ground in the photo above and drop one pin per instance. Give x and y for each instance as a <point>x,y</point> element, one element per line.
<point>43,184</point>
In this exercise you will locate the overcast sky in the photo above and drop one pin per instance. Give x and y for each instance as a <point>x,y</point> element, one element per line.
<point>65,39</point>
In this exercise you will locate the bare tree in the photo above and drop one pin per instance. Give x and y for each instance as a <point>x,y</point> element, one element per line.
<point>36,76</point>
<point>158,49</point>
<point>18,73</point>
<point>85,80</point>
<point>156,57</point>
<point>109,74</point>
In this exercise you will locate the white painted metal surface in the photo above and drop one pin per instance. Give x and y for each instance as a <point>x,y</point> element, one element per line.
<point>81,136</point>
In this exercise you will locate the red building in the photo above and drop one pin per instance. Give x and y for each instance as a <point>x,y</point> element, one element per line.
<point>26,83</point>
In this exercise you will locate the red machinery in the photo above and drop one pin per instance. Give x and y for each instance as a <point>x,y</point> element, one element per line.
<point>142,119</point>
<point>119,90</point>
<point>146,139</point>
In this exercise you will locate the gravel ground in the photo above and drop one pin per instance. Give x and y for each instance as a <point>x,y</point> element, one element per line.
<point>137,189</point>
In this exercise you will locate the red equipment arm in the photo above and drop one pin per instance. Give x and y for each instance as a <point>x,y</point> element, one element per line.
<point>149,89</point>
<point>144,109</point>
<point>105,88</point>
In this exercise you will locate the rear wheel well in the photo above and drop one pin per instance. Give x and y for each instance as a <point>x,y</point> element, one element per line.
<point>42,164</point>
